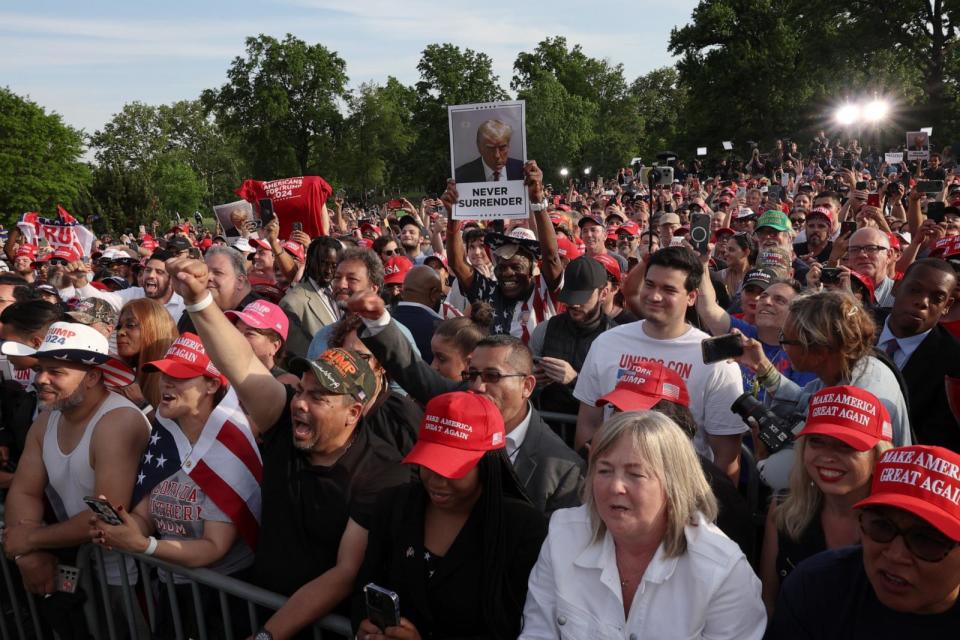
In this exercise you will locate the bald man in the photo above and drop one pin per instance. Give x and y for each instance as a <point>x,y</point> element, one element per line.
<point>420,307</point>
<point>868,252</point>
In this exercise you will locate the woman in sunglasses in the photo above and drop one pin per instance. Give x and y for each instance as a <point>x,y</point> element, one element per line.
<point>847,431</point>
<point>904,581</point>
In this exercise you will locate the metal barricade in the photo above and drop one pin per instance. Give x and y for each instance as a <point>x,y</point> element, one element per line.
<point>19,618</point>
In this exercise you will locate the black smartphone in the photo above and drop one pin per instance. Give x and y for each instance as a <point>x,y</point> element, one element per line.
<point>298,226</point>
<point>935,211</point>
<point>847,227</point>
<point>700,232</point>
<point>773,192</point>
<point>861,186</point>
<point>721,348</point>
<point>830,275</point>
<point>383,606</point>
<point>266,211</point>
<point>103,509</point>
<point>929,186</point>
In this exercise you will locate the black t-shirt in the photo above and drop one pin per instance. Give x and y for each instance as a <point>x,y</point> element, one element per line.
<point>802,249</point>
<point>306,508</point>
<point>829,596</point>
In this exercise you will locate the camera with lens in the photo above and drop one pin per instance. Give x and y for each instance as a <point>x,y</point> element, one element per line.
<point>775,432</point>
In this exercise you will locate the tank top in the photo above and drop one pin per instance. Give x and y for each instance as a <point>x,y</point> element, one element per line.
<point>791,552</point>
<point>70,476</point>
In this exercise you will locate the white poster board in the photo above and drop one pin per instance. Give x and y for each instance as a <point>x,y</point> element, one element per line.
<point>893,158</point>
<point>234,214</point>
<point>918,145</point>
<point>488,148</point>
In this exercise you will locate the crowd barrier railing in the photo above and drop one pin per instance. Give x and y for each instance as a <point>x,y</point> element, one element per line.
<point>20,618</point>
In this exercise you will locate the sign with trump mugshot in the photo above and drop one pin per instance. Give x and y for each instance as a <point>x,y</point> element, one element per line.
<point>488,148</point>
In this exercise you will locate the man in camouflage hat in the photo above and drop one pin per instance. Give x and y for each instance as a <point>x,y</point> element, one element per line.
<point>96,313</point>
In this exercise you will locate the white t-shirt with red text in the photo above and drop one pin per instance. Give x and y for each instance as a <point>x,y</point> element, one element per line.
<point>712,387</point>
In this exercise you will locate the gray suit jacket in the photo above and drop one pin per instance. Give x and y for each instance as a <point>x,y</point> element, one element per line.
<point>307,313</point>
<point>550,473</point>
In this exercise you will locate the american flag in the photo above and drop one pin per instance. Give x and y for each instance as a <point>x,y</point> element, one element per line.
<point>225,463</point>
<point>62,231</point>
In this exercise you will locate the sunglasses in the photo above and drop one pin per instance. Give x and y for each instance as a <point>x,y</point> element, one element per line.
<point>926,544</point>
<point>57,262</point>
<point>488,377</point>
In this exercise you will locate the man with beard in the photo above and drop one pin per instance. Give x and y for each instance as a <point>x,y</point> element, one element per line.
<point>155,285</point>
<point>309,304</point>
<point>562,342</point>
<point>228,284</point>
<point>321,473</point>
<point>23,262</point>
<point>501,368</point>
<point>520,299</point>
<point>593,232</point>
<point>411,234</point>
<point>818,228</point>
<point>923,350</point>
<point>102,434</point>
<point>774,231</point>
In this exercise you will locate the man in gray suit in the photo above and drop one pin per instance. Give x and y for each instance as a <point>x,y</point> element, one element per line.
<point>493,165</point>
<point>308,304</point>
<point>501,368</point>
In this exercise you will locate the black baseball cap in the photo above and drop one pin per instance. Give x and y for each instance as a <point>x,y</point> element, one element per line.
<point>581,278</point>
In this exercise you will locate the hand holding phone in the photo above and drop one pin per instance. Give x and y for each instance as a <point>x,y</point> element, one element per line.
<point>722,348</point>
<point>383,606</point>
<point>103,509</point>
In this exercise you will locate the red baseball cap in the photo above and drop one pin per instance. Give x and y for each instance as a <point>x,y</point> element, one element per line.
<point>457,429</point>
<point>567,248</point>
<point>295,249</point>
<point>62,253</point>
<point>260,243</point>
<point>852,415</point>
<point>612,235</point>
<point>368,227</point>
<point>610,264</point>
<point>27,251</point>
<point>644,385</point>
<point>630,228</point>
<point>595,218</point>
<point>823,212</point>
<point>395,269</point>
<point>186,358</point>
<point>261,314</point>
<point>922,480</point>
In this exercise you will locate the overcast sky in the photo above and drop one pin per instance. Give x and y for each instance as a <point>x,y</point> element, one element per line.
<point>85,60</point>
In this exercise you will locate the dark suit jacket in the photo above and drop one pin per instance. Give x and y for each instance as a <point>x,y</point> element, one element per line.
<point>930,416</point>
<point>473,171</point>
<point>550,473</point>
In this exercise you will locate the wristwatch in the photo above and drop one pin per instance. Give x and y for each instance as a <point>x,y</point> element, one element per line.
<point>537,206</point>
<point>263,634</point>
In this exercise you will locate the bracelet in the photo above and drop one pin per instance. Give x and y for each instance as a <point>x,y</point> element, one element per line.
<point>151,546</point>
<point>200,306</point>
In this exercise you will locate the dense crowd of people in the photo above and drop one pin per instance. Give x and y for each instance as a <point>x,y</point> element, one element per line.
<point>373,416</point>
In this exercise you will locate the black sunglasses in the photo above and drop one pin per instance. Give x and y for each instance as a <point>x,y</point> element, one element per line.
<point>926,544</point>
<point>488,377</point>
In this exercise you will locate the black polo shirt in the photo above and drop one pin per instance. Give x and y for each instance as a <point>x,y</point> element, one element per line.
<point>306,507</point>
<point>185,324</point>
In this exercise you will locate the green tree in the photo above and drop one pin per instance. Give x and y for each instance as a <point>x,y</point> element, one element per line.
<point>176,186</point>
<point>281,102</point>
<point>660,101</point>
<point>558,124</point>
<point>448,76</point>
<point>40,159</point>
<point>378,136</point>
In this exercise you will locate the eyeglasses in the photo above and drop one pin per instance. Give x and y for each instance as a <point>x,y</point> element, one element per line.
<point>798,221</point>
<point>927,545</point>
<point>867,248</point>
<point>783,340</point>
<point>389,252</point>
<point>488,377</point>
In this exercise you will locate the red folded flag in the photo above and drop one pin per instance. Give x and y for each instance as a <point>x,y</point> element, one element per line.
<point>294,200</point>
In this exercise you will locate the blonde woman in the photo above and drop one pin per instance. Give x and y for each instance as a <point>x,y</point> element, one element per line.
<point>642,558</point>
<point>847,430</point>
<point>830,335</point>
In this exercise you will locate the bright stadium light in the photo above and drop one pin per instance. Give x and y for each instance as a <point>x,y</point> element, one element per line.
<point>586,171</point>
<point>564,172</point>
<point>876,110</point>
<point>847,114</point>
